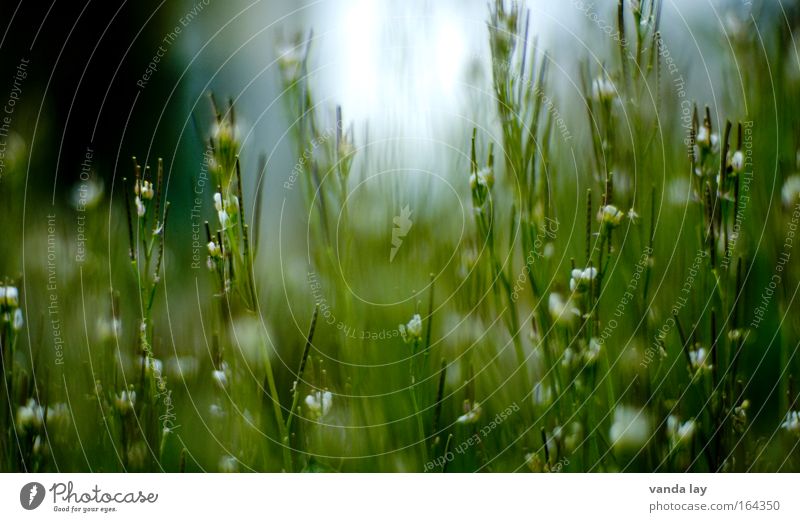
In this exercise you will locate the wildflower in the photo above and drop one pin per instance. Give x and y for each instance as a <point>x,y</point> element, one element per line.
<point>9,297</point>
<point>680,434</point>
<point>319,403</point>
<point>603,89</point>
<point>593,351</point>
<point>542,395</point>
<point>17,321</point>
<point>699,360</point>
<point>152,366</point>
<point>582,279</point>
<point>630,429</point>
<point>290,61</point>
<point>220,378</point>
<point>146,190</point>
<point>30,416</point>
<point>534,462</point>
<point>40,447</point>
<point>214,250</point>
<point>610,216</point>
<point>790,193</point>
<point>223,219</point>
<point>482,178</point>
<point>58,416</point>
<point>472,413</point>
<point>703,137</point>
<point>228,464</point>
<point>412,331</point>
<point>737,162</point>
<point>563,312</point>
<point>633,216</point>
<point>140,208</point>
<point>218,201</point>
<point>125,401</point>
<point>791,422</point>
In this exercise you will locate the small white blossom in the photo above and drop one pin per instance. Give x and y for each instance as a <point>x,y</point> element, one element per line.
<point>218,201</point>
<point>17,322</point>
<point>542,395</point>
<point>699,360</point>
<point>737,161</point>
<point>582,279</point>
<point>319,403</point>
<point>603,89</point>
<point>213,249</point>
<point>593,352</point>
<point>680,434</point>
<point>790,193</point>
<point>220,378</point>
<point>630,430</point>
<point>223,218</point>
<point>9,296</point>
<point>140,208</point>
<point>125,401</point>
<point>791,422</point>
<point>146,190</point>
<point>412,331</point>
<point>30,416</point>
<point>562,312</point>
<point>472,413</point>
<point>703,137</point>
<point>610,216</point>
<point>228,464</point>
<point>483,178</point>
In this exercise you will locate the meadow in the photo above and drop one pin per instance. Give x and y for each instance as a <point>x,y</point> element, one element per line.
<point>605,284</point>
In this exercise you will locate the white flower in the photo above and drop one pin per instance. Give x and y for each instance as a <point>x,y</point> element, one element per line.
<point>140,208</point>
<point>699,359</point>
<point>603,89</point>
<point>703,137</point>
<point>483,178</point>
<point>737,161</point>
<point>790,193</point>
<point>412,331</point>
<point>125,401</point>
<point>228,464</point>
<point>542,395</point>
<point>593,352</point>
<point>610,216</point>
<point>472,415</point>
<point>633,216</point>
<point>17,322</point>
<point>319,403</point>
<point>30,416</point>
<point>213,249</point>
<point>290,60</point>
<point>680,434</point>
<point>562,312</point>
<point>146,190</point>
<point>58,416</point>
<point>9,296</point>
<point>223,219</point>
<point>791,422</point>
<point>220,378</point>
<point>630,429</point>
<point>218,201</point>
<point>152,366</point>
<point>582,279</point>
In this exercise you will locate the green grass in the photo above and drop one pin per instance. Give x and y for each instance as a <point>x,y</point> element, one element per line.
<point>587,297</point>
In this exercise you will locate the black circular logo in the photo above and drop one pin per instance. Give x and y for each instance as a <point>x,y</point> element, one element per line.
<point>31,495</point>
